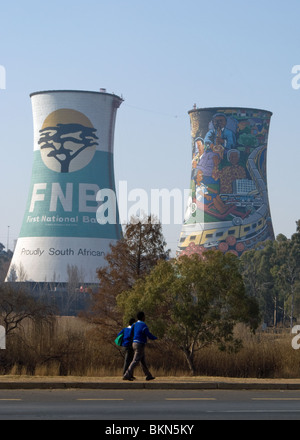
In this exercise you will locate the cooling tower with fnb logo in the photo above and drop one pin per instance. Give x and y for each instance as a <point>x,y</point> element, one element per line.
<point>65,223</point>
<point>228,207</point>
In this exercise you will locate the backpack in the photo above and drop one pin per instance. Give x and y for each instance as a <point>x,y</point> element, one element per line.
<point>119,339</point>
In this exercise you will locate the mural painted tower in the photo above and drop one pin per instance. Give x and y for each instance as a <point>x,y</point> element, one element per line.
<point>72,161</point>
<point>228,207</point>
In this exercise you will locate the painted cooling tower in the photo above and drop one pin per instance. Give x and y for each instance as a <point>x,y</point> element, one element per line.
<point>73,160</point>
<point>228,206</point>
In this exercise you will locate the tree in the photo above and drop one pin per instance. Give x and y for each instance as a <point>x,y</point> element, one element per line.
<point>16,305</point>
<point>271,273</point>
<point>67,141</point>
<point>130,259</point>
<point>256,269</point>
<point>72,293</point>
<point>5,259</point>
<point>193,302</point>
<point>286,269</point>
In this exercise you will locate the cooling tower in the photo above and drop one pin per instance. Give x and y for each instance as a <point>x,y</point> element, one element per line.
<point>228,207</point>
<point>72,161</point>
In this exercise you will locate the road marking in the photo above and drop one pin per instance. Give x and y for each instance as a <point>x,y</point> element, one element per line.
<point>259,411</point>
<point>276,398</point>
<point>190,398</point>
<point>9,399</point>
<point>99,399</point>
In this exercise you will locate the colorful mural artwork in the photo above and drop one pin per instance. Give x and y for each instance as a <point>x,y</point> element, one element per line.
<point>228,207</point>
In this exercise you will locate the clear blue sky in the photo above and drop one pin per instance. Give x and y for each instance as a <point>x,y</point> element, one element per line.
<point>162,56</point>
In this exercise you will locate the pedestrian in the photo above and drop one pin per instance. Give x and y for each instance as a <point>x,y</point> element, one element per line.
<point>127,344</point>
<point>140,333</point>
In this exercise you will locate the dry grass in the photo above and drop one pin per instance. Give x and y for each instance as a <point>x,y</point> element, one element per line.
<point>264,355</point>
<point>70,347</point>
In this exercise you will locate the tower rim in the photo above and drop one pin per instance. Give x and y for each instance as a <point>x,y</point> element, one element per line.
<point>76,91</point>
<point>229,108</point>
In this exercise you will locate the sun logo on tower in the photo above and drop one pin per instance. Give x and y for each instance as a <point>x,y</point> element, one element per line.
<point>67,141</point>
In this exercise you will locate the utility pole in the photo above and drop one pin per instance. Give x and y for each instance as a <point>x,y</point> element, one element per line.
<point>7,248</point>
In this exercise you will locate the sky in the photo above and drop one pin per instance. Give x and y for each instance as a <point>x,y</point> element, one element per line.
<point>162,57</point>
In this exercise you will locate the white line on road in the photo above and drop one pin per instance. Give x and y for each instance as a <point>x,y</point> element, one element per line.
<point>276,398</point>
<point>190,398</point>
<point>99,399</point>
<point>5,400</point>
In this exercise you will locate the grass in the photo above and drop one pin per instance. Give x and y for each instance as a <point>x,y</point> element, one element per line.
<point>71,347</point>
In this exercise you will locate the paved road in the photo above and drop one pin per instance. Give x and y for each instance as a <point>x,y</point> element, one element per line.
<point>169,406</point>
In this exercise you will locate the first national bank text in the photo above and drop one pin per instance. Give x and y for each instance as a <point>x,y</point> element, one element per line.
<point>59,220</point>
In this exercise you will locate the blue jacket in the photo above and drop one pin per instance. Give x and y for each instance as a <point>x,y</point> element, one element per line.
<point>126,338</point>
<point>141,333</point>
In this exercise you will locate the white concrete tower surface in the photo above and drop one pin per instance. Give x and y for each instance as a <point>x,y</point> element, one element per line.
<point>72,162</point>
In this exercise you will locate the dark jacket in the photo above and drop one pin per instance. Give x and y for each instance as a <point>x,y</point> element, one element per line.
<point>141,333</point>
<point>126,338</point>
